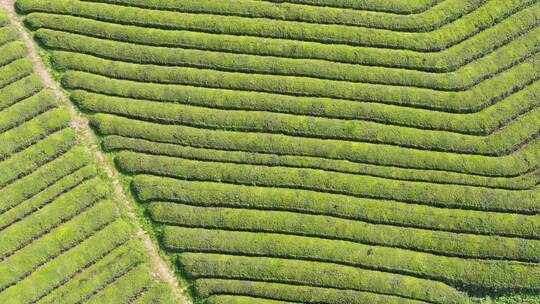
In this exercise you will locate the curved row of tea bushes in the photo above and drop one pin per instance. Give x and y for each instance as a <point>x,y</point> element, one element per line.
<point>464,78</point>
<point>209,194</point>
<point>242,300</point>
<point>514,164</point>
<point>452,34</point>
<point>505,140</point>
<point>118,143</point>
<point>409,7</point>
<point>429,20</point>
<point>206,288</point>
<point>479,97</point>
<point>446,61</point>
<point>317,274</point>
<point>452,196</point>
<point>495,275</point>
<point>437,242</point>
<point>484,122</point>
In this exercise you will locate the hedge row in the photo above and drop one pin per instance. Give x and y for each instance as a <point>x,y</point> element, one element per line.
<point>437,242</point>
<point>452,196</point>
<point>515,164</point>
<point>98,275</point>
<point>42,178</point>
<point>481,19</point>
<point>56,272</point>
<point>32,131</point>
<point>59,241</point>
<point>116,143</point>
<point>430,20</point>
<point>207,194</point>
<point>445,61</point>
<point>317,275</point>
<point>26,109</point>
<point>61,210</point>
<point>126,288</point>
<point>45,151</point>
<point>286,292</point>
<point>481,123</point>
<point>406,7</point>
<point>493,275</point>
<point>19,90</point>
<point>462,79</point>
<point>481,96</point>
<point>12,51</point>
<point>8,34</point>
<point>46,196</point>
<point>14,71</point>
<point>224,299</point>
<point>500,143</point>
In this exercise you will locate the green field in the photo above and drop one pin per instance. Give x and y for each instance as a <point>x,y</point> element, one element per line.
<point>279,151</point>
<point>63,240</point>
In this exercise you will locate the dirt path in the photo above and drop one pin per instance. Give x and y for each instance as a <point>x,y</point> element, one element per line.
<point>88,139</point>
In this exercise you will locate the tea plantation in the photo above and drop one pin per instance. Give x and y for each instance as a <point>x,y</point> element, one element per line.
<point>62,238</point>
<point>285,151</point>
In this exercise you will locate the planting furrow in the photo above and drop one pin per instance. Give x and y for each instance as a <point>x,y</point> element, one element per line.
<point>95,277</point>
<point>57,242</point>
<point>8,34</point>
<point>208,194</point>
<point>26,110</point>
<point>431,20</point>
<point>479,20</point>
<point>286,292</point>
<point>65,207</point>
<point>477,98</point>
<point>31,132</point>
<point>446,61</point>
<point>472,74</point>
<point>125,288</point>
<point>117,143</point>
<point>11,51</point>
<point>437,242</point>
<point>41,178</point>
<point>43,152</point>
<point>14,71</point>
<point>66,184</point>
<point>502,142</point>
<point>494,275</point>
<point>318,275</point>
<point>19,90</point>
<point>59,271</point>
<point>485,122</point>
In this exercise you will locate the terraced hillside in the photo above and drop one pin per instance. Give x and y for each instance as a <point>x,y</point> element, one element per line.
<point>319,151</point>
<point>62,238</point>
